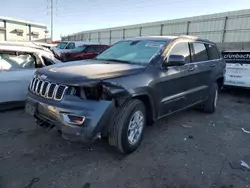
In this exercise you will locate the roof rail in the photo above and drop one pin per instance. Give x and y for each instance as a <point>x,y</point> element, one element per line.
<point>189,36</point>
<point>195,38</point>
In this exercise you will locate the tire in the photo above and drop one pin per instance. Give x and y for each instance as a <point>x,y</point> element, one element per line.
<point>122,135</point>
<point>211,103</point>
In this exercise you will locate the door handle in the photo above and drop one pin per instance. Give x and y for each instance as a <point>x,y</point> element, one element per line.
<point>212,65</point>
<point>191,69</point>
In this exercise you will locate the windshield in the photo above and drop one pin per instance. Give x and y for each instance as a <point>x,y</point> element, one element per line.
<point>61,45</point>
<point>140,51</point>
<point>79,48</point>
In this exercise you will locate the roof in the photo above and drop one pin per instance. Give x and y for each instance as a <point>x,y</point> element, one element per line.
<point>95,45</point>
<point>236,51</point>
<point>23,21</point>
<point>153,38</point>
<point>82,42</point>
<point>167,38</point>
<point>36,45</point>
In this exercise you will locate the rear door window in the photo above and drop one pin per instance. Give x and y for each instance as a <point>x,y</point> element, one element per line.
<point>91,49</point>
<point>200,52</point>
<point>11,61</point>
<point>212,52</point>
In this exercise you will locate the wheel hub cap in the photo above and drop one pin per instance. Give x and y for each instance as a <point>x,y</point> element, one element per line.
<point>135,127</point>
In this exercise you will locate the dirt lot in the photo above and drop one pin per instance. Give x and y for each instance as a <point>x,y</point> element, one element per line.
<point>171,154</point>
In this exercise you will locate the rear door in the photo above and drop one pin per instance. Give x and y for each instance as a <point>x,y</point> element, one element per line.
<point>16,73</point>
<point>200,74</point>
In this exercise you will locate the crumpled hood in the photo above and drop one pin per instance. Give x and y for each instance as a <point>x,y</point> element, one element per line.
<point>77,72</point>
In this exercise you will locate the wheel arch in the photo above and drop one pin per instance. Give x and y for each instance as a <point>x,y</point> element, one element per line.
<point>220,81</point>
<point>149,105</point>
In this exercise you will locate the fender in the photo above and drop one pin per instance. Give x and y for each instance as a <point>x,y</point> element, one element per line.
<point>151,103</point>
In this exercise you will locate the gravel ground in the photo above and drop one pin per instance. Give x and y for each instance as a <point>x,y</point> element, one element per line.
<point>187,150</point>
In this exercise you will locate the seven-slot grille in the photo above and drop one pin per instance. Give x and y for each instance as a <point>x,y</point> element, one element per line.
<point>47,89</point>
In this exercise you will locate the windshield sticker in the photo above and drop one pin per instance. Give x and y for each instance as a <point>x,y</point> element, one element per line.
<point>154,45</point>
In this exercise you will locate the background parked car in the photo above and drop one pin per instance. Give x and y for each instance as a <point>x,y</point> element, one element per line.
<point>17,66</point>
<point>238,68</point>
<point>67,46</point>
<point>87,51</point>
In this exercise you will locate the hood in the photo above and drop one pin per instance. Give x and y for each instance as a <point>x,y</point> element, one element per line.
<point>77,72</point>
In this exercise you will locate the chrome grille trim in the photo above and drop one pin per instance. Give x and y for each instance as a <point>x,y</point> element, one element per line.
<point>44,95</point>
<point>34,83</point>
<point>37,86</point>
<point>55,90</point>
<point>41,89</point>
<point>47,89</point>
<point>64,90</point>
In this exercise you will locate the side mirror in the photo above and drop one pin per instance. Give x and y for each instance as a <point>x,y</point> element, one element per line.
<point>175,60</point>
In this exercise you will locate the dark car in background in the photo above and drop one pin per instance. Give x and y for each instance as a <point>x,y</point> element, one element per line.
<point>87,51</point>
<point>128,86</point>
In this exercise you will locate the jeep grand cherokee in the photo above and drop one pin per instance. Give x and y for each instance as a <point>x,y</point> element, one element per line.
<point>130,85</point>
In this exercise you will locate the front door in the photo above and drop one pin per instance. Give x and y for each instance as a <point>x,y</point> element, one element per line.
<point>16,73</point>
<point>173,81</point>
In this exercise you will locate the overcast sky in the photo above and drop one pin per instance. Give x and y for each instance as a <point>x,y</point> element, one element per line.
<point>77,15</point>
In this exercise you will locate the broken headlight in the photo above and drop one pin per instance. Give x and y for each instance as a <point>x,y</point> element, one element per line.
<point>89,93</point>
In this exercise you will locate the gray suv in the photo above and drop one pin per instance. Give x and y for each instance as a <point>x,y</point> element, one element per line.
<point>128,86</point>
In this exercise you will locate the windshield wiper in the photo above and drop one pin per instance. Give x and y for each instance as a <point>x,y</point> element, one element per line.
<point>115,60</point>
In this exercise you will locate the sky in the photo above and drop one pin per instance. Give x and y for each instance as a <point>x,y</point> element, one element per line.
<point>71,16</point>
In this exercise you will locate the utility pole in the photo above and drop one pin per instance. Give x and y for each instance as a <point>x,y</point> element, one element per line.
<point>51,20</point>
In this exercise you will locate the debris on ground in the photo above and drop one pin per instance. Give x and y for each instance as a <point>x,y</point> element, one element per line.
<point>179,150</point>
<point>244,164</point>
<point>31,183</point>
<point>86,185</point>
<point>191,137</point>
<point>245,131</point>
<point>240,165</point>
<point>186,126</point>
<point>240,101</point>
<point>213,125</point>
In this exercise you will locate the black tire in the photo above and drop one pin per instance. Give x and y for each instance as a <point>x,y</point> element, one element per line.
<point>211,103</point>
<point>118,136</point>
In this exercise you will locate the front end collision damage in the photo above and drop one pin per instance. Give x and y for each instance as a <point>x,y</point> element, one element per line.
<point>82,117</point>
<point>116,93</point>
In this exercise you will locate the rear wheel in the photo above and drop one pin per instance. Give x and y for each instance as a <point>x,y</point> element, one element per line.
<point>211,103</point>
<point>127,132</point>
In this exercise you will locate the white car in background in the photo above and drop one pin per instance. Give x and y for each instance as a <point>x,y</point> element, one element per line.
<point>67,46</point>
<point>17,66</point>
<point>237,68</point>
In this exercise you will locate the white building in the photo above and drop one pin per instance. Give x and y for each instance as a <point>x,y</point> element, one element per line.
<point>228,29</point>
<point>20,30</point>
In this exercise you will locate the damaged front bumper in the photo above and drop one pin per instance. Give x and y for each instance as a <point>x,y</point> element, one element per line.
<point>78,120</point>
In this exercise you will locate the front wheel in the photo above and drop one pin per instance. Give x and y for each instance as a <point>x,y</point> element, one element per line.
<point>127,132</point>
<point>211,103</point>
